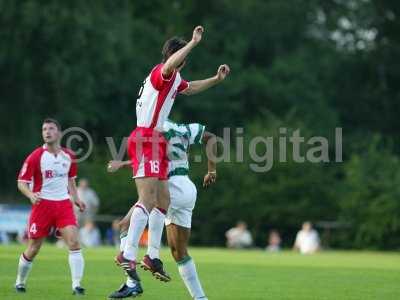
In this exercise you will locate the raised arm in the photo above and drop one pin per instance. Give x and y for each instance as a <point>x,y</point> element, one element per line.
<point>210,142</point>
<point>176,59</point>
<point>198,86</point>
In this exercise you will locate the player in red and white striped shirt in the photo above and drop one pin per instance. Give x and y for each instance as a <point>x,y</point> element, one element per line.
<point>47,178</point>
<point>147,146</point>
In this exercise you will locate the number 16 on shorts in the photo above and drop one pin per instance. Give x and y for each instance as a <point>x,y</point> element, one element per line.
<point>154,166</point>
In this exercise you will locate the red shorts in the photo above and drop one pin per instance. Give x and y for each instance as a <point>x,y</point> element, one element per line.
<point>49,214</point>
<point>147,149</point>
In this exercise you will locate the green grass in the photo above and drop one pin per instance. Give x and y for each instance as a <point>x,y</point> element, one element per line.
<point>225,274</point>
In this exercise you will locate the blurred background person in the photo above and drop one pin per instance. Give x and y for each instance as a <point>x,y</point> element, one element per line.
<point>307,239</point>
<point>274,241</point>
<point>112,234</point>
<point>239,237</point>
<point>4,238</point>
<point>90,235</point>
<point>91,200</point>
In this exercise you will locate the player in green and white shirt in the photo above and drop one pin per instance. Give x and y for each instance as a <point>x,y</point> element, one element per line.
<point>183,195</point>
<point>180,137</point>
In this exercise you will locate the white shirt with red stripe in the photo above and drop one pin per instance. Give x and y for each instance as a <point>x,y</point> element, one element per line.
<point>48,173</point>
<point>156,98</point>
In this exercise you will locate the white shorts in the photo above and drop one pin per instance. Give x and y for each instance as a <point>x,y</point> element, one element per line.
<point>183,195</point>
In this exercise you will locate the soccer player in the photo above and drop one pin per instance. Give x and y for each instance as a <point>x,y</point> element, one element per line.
<point>147,146</point>
<point>179,216</point>
<point>47,179</point>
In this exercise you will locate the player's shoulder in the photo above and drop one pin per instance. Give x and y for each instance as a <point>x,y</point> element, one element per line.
<point>36,153</point>
<point>171,125</point>
<point>172,129</point>
<point>69,152</point>
<point>156,68</point>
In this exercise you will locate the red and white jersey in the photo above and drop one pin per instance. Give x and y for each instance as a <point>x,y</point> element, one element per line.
<point>156,98</point>
<point>48,173</point>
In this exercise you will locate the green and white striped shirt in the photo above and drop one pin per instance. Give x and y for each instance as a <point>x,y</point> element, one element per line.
<point>180,137</point>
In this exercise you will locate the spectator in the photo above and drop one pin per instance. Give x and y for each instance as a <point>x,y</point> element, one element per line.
<point>274,241</point>
<point>239,237</point>
<point>89,197</point>
<point>307,239</point>
<point>112,233</point>
<point>90,235</point>
<point>4,238</point>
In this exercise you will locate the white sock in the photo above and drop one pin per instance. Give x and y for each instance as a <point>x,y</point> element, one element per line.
<point>122,240</point>
<point>156,227</point>
<point>138,223</point>
<point>24,267</point>
<point>187,270</point>
<point>76,264</point>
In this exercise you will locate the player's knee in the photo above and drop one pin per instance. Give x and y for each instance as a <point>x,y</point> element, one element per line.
<point>165,198</point>
<point>124,225</point>
<point>149,196</point>
<point>150,193</point>
<point>149,203</point>
<point>73,243</point>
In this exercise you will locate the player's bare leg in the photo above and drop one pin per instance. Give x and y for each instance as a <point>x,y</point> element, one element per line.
<point>178,239</point>
<point>151,262</point>
<point>147,191</point>
<point>75,258</point>
<point>131,288</point>
<point>25,263</point>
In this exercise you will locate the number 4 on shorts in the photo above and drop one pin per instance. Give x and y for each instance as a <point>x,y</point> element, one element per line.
<point>33,228</point>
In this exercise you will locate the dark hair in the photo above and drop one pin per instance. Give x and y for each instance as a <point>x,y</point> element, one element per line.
<point>171,46</point>
<point>54,121</point>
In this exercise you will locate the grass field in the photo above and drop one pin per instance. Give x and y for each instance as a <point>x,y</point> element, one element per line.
<point>225,275</point>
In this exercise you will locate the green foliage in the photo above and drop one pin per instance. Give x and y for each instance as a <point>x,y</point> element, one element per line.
<point>298,64</point>
<point>371,203</point>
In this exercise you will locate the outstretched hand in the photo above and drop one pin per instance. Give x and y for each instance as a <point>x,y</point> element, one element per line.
<point>209,179</point>
<point>197,34</point>
<point>223,71</point>
<point>114,165</point>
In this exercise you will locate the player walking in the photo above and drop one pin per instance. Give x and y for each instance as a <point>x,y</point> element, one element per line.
<point>179,217</point>
<point>147,146</point>
<point>47,178</point>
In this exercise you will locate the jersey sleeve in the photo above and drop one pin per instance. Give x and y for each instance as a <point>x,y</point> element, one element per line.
<point>73,169</point>
<point>196,132</point>
<point>28,168</point>
<point>157,79</point>
<point>183,86</point>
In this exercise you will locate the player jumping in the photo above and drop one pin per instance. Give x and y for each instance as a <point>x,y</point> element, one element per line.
<point>179,216</point>
<point>47,178</point>
<point>147,146</point>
